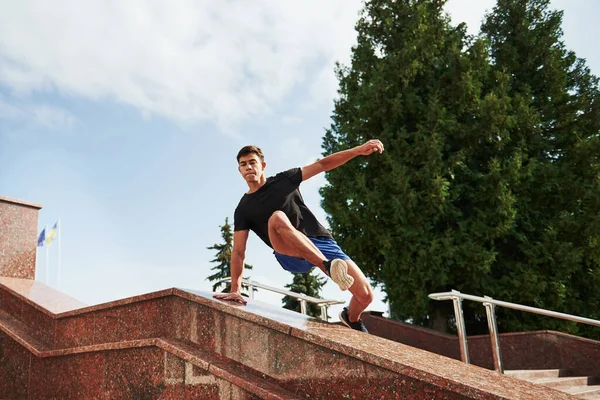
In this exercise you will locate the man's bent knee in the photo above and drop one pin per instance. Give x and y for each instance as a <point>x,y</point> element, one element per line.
<point>278,219</point>
<point>364,293</point>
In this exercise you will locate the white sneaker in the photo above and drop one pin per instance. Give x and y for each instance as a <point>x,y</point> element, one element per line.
<point>338,270</point>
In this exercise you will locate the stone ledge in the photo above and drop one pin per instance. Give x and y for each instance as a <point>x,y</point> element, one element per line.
<point>41,296</point>
<point>21,202</point>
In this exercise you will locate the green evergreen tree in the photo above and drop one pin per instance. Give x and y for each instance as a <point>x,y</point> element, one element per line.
<point>223,260</point>
<point>420,218</point>
<point>310,284</point>
<point>551,258</point>
<point>457,201</point>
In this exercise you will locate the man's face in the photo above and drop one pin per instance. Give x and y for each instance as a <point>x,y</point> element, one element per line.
<point>251,167</point>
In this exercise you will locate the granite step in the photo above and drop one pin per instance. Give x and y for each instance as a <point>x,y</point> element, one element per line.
<point>38,319</point>
<point>530,374</point>
<point>21,333</point>
<point>582,387</point>
<point>235,373</point>
<point>592,396</point>
<point>586,390</point>
<point>564,382</point>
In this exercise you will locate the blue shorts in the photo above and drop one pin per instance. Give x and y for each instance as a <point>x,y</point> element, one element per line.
<point>328,247</point>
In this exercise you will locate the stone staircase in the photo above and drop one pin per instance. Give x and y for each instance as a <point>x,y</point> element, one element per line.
<point>182,344</point>
<point>583,387</point>
<point>565,363</point>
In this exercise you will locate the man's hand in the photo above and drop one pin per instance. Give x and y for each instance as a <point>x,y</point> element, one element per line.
<point>370,147</point>
<point>233,296</point>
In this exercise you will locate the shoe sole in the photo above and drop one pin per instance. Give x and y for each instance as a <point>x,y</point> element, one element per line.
<point>343,321</point>
<point>339,274</point>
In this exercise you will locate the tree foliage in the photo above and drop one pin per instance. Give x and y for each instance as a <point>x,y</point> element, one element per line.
<point>223,259</point>
<point>555,241</point>
<point>310,284</point>
<point>484,187</point>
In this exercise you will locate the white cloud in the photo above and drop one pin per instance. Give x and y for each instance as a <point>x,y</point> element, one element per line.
<point>9,111</point>
<point>187,60</point>
<point>45,115</point>
<point>224,62</point>
<point>290,120</point>
<point>52,117</point>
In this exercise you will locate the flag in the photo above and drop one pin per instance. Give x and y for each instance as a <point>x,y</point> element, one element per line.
<point>51,234</point>
<point>42,238</point>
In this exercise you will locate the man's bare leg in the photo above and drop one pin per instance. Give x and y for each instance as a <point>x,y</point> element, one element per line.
<point>287,240</point>
<point>362,293</point>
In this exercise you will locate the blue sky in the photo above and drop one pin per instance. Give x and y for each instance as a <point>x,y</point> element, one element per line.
<point>123,119</point>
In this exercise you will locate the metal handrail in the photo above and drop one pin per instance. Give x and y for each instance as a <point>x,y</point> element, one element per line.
<point>303,298</point>
<point>490,308</point>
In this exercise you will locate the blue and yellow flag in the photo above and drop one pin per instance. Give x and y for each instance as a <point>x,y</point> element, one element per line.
<point>51,234</point>
<point>42,238</point>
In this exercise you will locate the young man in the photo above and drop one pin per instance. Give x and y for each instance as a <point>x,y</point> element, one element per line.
<point>273,208</point>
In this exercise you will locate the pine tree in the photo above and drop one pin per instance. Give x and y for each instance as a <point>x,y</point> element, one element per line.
<point>551,258</point>
<point>223,259</point>
<point>490,181</point>
<point>310,284</point>
<point>421,217</point>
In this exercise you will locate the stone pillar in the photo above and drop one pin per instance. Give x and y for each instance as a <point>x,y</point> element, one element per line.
<point>18,238</point>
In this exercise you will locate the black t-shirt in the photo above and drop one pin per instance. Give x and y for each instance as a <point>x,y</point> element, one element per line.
<point>280,192</point>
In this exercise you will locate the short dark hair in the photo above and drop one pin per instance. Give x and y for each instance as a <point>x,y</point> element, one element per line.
<point>250,150</point>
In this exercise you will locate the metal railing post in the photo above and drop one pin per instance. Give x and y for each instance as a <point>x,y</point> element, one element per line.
<point>324,312</point>
<point>460,327</point>
<point>301,297</point>
<point>490,310</point>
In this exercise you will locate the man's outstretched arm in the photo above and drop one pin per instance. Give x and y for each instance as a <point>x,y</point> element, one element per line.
<point>336,159</point>
<point>238,255</point>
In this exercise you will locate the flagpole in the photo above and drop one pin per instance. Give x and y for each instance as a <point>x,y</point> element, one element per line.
<point>58,271</point>
<point>46,245</point>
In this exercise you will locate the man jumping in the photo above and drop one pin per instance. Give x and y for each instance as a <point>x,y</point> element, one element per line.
<point>273,208</point>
